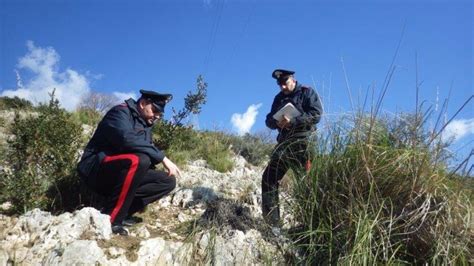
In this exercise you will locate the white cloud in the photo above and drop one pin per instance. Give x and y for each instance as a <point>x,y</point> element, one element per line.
<point>122,96</point>
<point>244,122</point>
<point>43,63</point>
<point>458,129</point>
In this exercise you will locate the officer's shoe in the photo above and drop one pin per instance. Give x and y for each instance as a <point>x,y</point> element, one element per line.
<point>131,220</point>
<point>119,229</point>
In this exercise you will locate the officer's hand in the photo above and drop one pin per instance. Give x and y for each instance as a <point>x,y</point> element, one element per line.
<point>173,170</point>
<point>284,122</point>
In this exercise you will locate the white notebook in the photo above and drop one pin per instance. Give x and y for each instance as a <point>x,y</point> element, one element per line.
<point>289,110</point>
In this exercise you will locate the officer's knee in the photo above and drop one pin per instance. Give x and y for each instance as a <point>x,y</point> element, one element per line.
<point>171,182</point>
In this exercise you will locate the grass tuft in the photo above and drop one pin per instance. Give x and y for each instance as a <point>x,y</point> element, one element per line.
<point>379,192</point>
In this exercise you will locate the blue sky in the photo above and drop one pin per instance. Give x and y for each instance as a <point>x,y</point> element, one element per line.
<point>123,46</point>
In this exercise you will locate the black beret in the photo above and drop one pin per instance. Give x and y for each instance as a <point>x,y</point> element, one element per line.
<point>159,100</point>
<point>281,73</point>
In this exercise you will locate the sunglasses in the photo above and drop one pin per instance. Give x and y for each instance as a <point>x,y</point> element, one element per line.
<point>155,109</point>
<point>282,81</point>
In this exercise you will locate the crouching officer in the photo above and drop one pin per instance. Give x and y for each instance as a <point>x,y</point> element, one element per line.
<point>117,160</point>
<point>292,148</point>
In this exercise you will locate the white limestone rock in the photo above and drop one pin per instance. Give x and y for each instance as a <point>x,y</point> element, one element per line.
<point>142,232</point>
<point>182,197</point>
<point>80,252</point>
<point>40,238</point>
<point>37,233</point>
<point>116,252</point>
<point>4,258</point>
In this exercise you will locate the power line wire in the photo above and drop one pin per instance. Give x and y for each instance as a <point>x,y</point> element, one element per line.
<point>244,30</point>
<point>214,30</point>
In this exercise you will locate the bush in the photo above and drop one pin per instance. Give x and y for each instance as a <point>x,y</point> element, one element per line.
<point>169,133</point>
<point>255,149</point>
<point>188,144</point>
<point>215,150</point>
<point>43,157</point>
<point>14,103</point>
<point>87,116</point>
<point>182,143</point>
<point>378,194</point>
<point>182,146</point>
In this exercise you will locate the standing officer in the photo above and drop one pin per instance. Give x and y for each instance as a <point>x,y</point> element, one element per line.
<point>116,161</point>
<point>292,148</point>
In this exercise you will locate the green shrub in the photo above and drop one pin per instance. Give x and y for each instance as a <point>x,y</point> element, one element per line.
<point>169,133</point>
<point>215,150</point>
<point>182,146</point>
<point>253,148</point>
<point>43,157</point>
<point>182,138</point>
<point>182,143</point>
<point>378,194</point>
<point>188,144</point>
<point>14,103</point>
<point>87,116</point>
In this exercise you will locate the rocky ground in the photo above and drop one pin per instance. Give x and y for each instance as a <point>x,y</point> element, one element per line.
<point>211,218</point>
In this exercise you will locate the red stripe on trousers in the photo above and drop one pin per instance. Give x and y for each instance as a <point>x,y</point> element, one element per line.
<point>128,179</point>
<point>308,166</point>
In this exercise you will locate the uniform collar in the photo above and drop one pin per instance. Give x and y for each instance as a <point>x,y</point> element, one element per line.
<point>133,106</point>
<point>297,88</point>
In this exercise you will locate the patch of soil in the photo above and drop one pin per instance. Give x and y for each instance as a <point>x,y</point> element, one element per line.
<point>166,217</point>
<point>164,223</point>
<point>87,235</point>
<point>129,243</point>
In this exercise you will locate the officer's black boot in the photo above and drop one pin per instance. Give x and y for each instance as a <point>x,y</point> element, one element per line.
<point>131,220</point>
<point>117,228</point>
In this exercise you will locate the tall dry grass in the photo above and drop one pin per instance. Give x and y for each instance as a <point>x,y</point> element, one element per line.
<point>380,192</point>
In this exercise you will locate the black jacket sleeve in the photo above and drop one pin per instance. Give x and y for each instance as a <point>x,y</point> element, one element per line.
<point>270,121</point>
<point>120,132</point>
<point>312,110</point>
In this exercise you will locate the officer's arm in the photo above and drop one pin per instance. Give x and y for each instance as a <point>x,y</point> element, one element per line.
<point>312,110</point>
<point>123,136</point>
<point>270,121</point>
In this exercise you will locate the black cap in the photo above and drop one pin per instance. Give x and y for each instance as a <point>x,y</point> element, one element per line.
<point>279,74</point>
<point>159,100</point>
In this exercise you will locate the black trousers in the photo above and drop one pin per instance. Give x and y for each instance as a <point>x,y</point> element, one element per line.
<point>129,184</point>
<point>292,153</point>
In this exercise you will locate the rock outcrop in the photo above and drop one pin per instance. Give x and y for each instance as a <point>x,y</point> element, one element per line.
<point>211,218</point>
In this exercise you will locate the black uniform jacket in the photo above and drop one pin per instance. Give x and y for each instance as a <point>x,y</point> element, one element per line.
<point>307,101</point>
<point>121,131</point>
